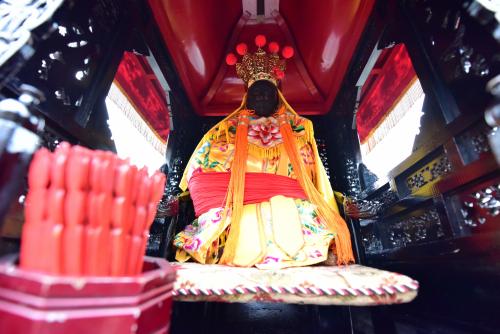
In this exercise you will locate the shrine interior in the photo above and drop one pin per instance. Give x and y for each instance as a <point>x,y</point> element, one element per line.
<point>404,98</point>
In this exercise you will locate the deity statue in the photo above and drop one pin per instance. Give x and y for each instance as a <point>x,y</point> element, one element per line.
<point>261,194</point>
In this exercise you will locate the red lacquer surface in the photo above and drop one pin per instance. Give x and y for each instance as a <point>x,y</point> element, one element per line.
<point>393,74</point>
<point>198,35</point>
<point>136,78</point>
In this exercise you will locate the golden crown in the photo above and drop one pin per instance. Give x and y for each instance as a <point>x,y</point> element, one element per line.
<point>260,65</point>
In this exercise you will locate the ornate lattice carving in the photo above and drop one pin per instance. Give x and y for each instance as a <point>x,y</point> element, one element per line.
<point>155,239</point>
<point>469,60</point>
<point>480,143</point>
<point>456,38</point>
<point>387,198</point>
<point>416,229</point>
<point>79,51</point>
<point>473,143</point>
<point>384,198</point>
<point>18,19</point>
<point>429,174</point>
<point>352,178</point>
<point>451,20</point>
<point>161,233</point>
<point>361,209</point>
<point>371,241</point>
<point>481,205</point>
<point>168,205</point>
<point>323,155</point>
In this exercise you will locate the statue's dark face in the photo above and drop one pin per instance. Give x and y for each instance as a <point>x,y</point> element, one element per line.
<point>262,97</point>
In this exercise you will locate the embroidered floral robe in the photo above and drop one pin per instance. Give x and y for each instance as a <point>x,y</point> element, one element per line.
<point>203,240</point>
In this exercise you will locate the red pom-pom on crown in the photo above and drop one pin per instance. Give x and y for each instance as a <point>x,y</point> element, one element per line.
<point>287,52</point>
<point>241,49</point>
<point>260,40</point>
<point>231,59</point>
<point>273,47</point>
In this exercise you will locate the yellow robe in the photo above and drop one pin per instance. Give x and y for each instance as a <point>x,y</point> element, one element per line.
<point>282,232</point>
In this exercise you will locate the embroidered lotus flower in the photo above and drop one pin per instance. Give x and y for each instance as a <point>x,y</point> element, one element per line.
<point>264,132</point>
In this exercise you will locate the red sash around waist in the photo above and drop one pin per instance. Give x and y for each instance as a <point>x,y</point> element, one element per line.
<point>208,190</point>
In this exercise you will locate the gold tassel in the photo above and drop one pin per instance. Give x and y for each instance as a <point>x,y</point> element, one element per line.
<point>236,188</point>
<point>264,152</point>
<point>333,220</point>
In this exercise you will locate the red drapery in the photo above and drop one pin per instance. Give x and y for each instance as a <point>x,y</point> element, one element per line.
<point>394,79</point>
<point>208,190</point>
<point>136,79</point>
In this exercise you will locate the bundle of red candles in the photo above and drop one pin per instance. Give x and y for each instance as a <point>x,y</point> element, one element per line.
<point>87,213</point>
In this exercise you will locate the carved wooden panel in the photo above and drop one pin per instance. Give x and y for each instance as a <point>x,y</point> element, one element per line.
<point>473,143</point>
<point>370,238</point>
<point>459,47</point>
<point>476,209</point>
<point>323,154</point>
<point>75,65</point>
<point>421,181</point>
<point>418,227</point>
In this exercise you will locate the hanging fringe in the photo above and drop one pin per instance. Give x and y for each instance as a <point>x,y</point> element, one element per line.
<point>118,96</point>
<point>264,152</point>
<point>333,220</point>
<point>400,108</point>
<point>236,187</point>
